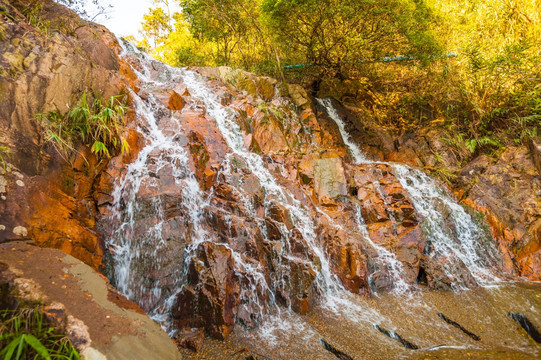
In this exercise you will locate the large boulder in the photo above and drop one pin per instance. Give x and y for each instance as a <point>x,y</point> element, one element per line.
<point>211,297</point>
<point>507,192</point>
<point>46,65</point>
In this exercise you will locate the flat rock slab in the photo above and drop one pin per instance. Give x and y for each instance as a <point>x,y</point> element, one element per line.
<point>116,327</point>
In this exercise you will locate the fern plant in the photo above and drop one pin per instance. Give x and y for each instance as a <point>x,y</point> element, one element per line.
<point>99,125</point>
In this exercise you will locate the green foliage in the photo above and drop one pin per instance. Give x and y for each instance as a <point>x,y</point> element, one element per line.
<point>339,37</point>
<point>25,334</point>
<point>231,30</point>
<point>99,125</point>
<point>4,155</point>
<point>490,94</point>
<point>33,15</point>
<point>155,25</point>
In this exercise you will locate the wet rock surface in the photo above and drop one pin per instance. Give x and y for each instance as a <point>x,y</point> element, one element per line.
<point>508,191</point>
<point>500,336</point>
<point>252,202</point>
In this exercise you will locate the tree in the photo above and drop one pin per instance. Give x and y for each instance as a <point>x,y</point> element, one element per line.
<point>229,24</point>
<point>155,26</point>
<point>180,48</point>
<point>337,36</point>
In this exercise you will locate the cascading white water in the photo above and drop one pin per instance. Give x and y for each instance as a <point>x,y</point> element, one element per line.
<point>145,247</point>
<point>455,236</point>
<point>142,249</point>
<point>387,259</point>
<point>225,119</point>
<point>357,154</point>
<point>462,242</point>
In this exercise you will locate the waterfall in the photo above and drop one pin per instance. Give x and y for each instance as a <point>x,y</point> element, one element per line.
<point>162,217</point>
<point>139,245</point>
<point>357,154</point>
<point>451,231</point>
<point>140,249</point>
<point>225,119</point>
<point>387,259</point>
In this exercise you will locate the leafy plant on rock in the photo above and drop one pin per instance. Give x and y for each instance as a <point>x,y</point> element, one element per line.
<point>99,125</point>
<point>4,154</point>
<point>25,334</point>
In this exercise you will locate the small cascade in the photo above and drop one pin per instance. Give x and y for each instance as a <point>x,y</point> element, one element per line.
<point>356,153</point>
<point>459,245</point>
<point>452,233</point>
<point>386,258</point>
<point>247,243</point>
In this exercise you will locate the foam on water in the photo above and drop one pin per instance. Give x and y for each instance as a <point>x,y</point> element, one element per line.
<point>452,233</point>
<point>357,154</point>
<point>387,259</point>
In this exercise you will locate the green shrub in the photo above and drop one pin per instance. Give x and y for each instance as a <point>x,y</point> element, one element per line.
<point>34,16</point>
<point>99,125</point>
<point>25,334</point>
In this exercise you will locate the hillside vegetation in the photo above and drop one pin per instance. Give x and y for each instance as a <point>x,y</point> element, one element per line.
<point>473,65</point>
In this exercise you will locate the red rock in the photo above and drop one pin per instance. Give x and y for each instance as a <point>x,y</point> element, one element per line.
<point>175,102</point>
<point>212,298</point>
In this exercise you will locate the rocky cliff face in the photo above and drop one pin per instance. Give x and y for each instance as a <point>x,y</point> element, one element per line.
<point>506,188</point>
<point>242,195</point>
<point>49,57</point>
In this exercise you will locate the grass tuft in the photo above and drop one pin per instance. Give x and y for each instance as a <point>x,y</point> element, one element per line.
<point>26,334</point>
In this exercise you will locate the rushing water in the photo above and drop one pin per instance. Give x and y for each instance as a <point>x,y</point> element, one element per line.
<point>387,258</point>
<point>451,231</point>
<point>141,245</point>
<point>141,252</point>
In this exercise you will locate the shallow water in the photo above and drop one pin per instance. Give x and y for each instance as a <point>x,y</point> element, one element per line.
<point>482,311</point>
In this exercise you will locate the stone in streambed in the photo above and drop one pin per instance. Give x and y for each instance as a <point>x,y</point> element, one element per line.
<point>191,339</point>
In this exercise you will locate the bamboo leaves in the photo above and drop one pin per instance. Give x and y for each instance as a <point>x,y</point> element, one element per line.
<point>99,125</point>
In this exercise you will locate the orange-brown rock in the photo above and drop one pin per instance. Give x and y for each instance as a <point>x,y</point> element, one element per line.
<point>176,102</point>
<point>53,202</point>
<point>329,180</point>
<point>507,192</point>
<point>210,300</point>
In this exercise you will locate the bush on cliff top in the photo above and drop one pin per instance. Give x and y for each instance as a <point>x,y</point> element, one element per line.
<point>488,93</point>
